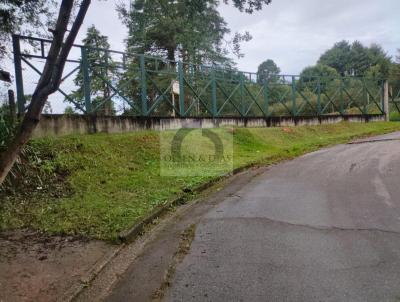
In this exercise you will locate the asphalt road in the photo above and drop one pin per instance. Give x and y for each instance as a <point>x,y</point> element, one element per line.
<point>323,227</point>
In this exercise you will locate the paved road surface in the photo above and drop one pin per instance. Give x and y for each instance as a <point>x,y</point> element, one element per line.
<point>323,227</point>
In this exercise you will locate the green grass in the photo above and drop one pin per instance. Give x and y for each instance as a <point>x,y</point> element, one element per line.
<point>98,185</point>
<point>395,116</point>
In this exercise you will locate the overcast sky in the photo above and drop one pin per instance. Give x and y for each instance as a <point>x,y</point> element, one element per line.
<point>291,32</point>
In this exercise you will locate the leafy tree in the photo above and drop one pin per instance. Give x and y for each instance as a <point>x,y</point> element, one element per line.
<point>395,76</point>
<point>101,69</point>
<point>310,76</point>
<point>318,70</point>
<point>26,17</point>
<point>6,125</point>
<point>360,61</point>
<point>377,54</point>
<point>379,61</point>
<point>356,59</point>
<point>69,110</point>
<point>338,57</point>
<point>193,30</point>
<point>397,64</point>
<point>249,6</point>
<point>268,71</point>
<point>317,84</point>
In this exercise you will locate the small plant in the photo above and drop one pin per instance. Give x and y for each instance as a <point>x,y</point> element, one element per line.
<point>7,126</point>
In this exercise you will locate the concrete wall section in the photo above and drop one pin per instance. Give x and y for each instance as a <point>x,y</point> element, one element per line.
<point>79,124</point>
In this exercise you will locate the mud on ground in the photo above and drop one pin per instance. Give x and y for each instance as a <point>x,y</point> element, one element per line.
<point>39,267</point>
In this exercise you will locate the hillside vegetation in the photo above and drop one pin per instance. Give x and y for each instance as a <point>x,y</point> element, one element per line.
<point>98,185</point>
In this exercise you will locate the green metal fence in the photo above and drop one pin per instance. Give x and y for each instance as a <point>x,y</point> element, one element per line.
<point>394,97</point>
<point>142,85</point>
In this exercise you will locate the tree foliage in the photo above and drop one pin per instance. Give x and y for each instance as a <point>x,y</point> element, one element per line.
<point>191,30</point>
<point>318,70</point>
<point>102,69</point>
<point>69,110</point>
<point>338,57</point>
<point>268,71</point>
<point>322,74</point>
<point>249,6</point>
<point>395,75</point>
<point>167,28</point>
<point>356,59</point>
<point>395,68</point>
<point>24,17</point>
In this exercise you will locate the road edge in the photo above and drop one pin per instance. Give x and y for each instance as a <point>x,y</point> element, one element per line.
<point>131,234</point>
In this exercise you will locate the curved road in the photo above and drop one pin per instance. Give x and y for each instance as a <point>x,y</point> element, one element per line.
<point>323,227</point>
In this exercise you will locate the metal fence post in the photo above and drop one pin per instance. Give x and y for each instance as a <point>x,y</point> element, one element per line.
<point>241,82</point>
<point>143,85</point>
<point>191,69</point>
<point>213,93</point>
<point>266,98</point>
<point>294,109</point>
<point>18,75</point>
<point>365,97</point>
<point>86,81</point>
<point>319,96</point>
<point>181,90</point>
<point>341,96</point>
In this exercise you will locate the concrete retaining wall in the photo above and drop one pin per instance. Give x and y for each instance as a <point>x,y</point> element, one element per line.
<point>55,124</point>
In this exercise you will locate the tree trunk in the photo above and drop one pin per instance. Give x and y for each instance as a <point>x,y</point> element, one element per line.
<point>8,158</point>
<point>171,56</point>
<point>48,83</point>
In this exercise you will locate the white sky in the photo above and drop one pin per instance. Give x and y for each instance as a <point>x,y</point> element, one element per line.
<point>294,33</point>
<point>291,32</point>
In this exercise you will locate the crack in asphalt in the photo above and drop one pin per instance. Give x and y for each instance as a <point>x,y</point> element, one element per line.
<point>309,226</point>
<point>355,267</point>
<point>373,141</point>
<point>187,236</point>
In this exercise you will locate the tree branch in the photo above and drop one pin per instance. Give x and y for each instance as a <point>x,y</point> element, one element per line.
<point>62,58</point>
<point>48,82</point>
<point>58,38</point>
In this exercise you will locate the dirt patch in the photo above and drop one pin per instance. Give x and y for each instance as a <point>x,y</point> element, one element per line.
<point>39,267</point>
<point>287,130</point>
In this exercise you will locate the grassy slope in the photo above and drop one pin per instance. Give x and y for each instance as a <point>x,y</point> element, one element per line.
<point>114,179</point>
<point>395,116</point>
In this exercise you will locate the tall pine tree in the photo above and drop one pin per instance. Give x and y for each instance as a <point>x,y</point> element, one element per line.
<point>164,27</point>
<point>193,31</point>
<point>101,69</point>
